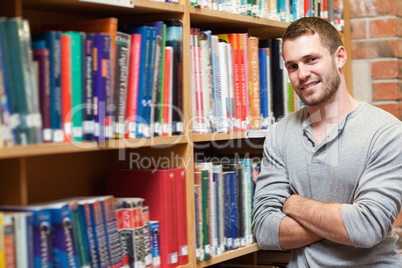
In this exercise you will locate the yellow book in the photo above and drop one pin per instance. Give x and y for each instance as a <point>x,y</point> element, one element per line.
<point>2,264</point>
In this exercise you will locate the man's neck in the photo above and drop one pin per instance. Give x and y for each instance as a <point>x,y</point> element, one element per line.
<point>324,118</point>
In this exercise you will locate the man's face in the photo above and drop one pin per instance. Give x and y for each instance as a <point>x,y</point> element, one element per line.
<point>312,70</point>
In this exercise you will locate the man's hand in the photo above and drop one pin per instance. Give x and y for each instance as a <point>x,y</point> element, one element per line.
<point>323,219</point>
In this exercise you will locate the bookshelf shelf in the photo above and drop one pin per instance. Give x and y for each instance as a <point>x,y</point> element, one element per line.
<point>229,255</point>
<point>99,10</point>
<point>226,22</point>
<point>81,147</point>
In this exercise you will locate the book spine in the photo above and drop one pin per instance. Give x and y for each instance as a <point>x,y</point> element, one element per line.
<point>255,105</point>
<point>42,57</point>
<point>88,122</point>
<point>89,228</point>
<point>155,246</point>
<point>99,234</point>
<point>174,38</point>
<point>123,41</point>
<point>132,86</point>
<point>80,236</point>
<point>66,86</point>
<point>182,216</point>
<point>76,85</point>
<point>145,234</point>
<point>9,242</point>
<point>111,231</point>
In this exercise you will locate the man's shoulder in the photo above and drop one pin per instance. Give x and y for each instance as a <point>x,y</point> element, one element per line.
<point>376,116</point>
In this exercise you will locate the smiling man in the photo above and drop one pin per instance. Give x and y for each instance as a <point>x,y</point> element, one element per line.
<point>330,187</point>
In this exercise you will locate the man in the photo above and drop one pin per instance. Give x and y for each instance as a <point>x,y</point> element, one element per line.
<point>331,181</point>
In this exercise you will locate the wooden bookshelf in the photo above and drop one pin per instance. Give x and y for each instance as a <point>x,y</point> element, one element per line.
<point>45,172</point>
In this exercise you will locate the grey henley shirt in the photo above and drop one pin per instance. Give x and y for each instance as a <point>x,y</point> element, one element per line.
<point>359,164</point>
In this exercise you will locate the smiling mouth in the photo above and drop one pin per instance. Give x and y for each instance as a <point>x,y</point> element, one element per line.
<point>309,85</point>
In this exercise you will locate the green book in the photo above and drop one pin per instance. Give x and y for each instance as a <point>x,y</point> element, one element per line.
<point>76,85</point>
<point>205,212</point>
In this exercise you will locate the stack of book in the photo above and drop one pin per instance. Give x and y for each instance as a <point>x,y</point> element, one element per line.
<point>281,10</point>
<point>164,192</point>
<point>89,80</point>
<point>79,232</point>
<point>224,192</point>
<point>238,82</point>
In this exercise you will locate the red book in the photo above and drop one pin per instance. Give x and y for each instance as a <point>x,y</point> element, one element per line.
<point>132,86</point>
<point>158,188</point>
<point>182,215</point>
<point>167,93</point>
<point>66,86</point>
<point>244,80</point>
<point>234,41</point>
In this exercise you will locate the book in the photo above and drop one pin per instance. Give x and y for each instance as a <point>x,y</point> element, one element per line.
<point>42,57</point>
<point>129,224</point>
<point>145,236</point>
<point>255,104</point>
<point>99,25</point>
<point>88,121</point>
<point>102,86</point>
<point>182,216</point>
<point>21,85</point>
<point>6,133</point>
<point>41,233</point>
<point>66,84</point>
<point>53,44</point>
<point>167,93</point>
<point>155,248</point>
<point>146,33</point>
<point>157,188</point>
<point>76,39</point>
<point>174,38</point>
<point>122,58</point>
<point>8,241</point>
<point>277,79</point>
<point>132,86</point>
<point>23,231</point>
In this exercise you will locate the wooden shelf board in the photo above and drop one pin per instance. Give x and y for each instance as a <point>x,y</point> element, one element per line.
<point>80,147</point>
<point>229,255</point>
<point>101,10</point>
<point>218,136</point>
<point>201,17</point>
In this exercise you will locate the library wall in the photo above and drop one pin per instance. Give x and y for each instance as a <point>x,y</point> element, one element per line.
<point>376,29</point>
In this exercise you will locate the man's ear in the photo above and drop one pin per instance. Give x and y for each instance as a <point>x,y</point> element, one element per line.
<point>340,57</point>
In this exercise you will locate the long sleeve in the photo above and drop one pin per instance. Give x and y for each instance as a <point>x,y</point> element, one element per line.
<point>271,191</point>
<point>377,201</point>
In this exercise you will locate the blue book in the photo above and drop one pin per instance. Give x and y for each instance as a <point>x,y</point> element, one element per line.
<point>263,61</point>
<point>85,210</point>
<point>64,250</point>
<point>41,231</point>
<point>5,107</point>
<point>52,40</point>
<point>227,204</point>
<point>145,32</point>
<point>88,122</point>
<point>154,233</point>
<point>102,86</point>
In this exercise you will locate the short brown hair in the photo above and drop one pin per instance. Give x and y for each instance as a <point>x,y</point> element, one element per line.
<point>329,36</point>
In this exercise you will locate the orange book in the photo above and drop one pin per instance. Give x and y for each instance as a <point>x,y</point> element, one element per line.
<point>66,86</point>
<point>103,25</point>
<point>254,73</point>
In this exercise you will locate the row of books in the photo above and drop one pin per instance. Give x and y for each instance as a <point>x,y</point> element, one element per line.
<point>224,192</point>
<point>280,10</point>
<point>238,82</point>
<point>79,232</point>
<point>164,192</point>
<point>89,80</point>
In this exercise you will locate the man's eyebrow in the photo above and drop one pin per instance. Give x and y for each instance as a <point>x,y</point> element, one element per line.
<point>304,57</point>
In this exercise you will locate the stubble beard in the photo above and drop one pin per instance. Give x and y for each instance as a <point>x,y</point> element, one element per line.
<point>330,84</point>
